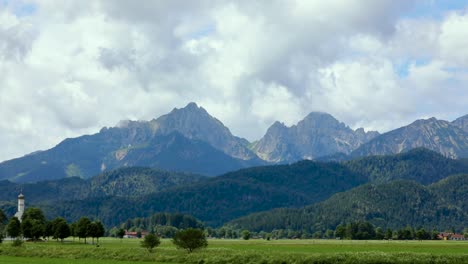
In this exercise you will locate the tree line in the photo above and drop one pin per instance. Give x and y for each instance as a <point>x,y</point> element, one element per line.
<point>164,225</point>
<point>359,230</point>
<point>34,226</point>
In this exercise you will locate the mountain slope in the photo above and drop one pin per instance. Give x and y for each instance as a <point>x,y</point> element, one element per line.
<point>125,182</point>
<point>225,197</point>
<point>318,134</point>
<point>391,205</point>
<point>438,135</point>
<point>421,165</point>
<point>175,152</point>
<point>167,142</point>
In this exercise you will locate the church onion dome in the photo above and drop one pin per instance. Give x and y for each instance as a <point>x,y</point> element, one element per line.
<point>21,196</point>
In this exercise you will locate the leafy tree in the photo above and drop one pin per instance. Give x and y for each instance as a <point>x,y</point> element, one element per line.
<point>120,233</point>
<point>51,226</point>
<point>34,214</point>
<point>32,228</point>
<point>49,229</point>
<point>3,221</point>
<point>388,234</point>
<point>100,230</point>
<point>73,230</point>
<point>365,230</point>
<point>3,218</point>
<point>340,231</point>
<point>421,234</point>
<point>14,227</point>
<point>317,235</point>
<point>150,241</point>
<point>406,233</point>
<point>61,229</point>
<point>190,239</point>
<point>329,233</point>
<point>38,229</point>
<point>95,230</point>
<point>246,234</point>
<point>82,228</point>
<point>26,228</point>
<point>33,224</point>
<point>379,234</point>
<point>166,231</point>
<point>465,232</point>
<point>92,231</point>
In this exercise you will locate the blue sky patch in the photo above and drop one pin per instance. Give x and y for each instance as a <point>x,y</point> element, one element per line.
<point>402,68</point>
<point>437,9</point>
<point>19,8</point>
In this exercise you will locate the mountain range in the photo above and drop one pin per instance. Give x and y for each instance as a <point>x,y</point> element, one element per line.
<point>191,140</point>
<point>185,140</point>
<point>317,135</point>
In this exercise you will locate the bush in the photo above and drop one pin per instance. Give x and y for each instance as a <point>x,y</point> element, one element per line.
<point>190,239</point>
<point>150,241</point>
<point>246,235</point>
<point>17,243</point>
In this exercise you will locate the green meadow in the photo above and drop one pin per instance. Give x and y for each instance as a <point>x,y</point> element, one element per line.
<point>239,251</point>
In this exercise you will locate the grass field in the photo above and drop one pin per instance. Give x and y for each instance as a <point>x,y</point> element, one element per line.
<point>239,251</point>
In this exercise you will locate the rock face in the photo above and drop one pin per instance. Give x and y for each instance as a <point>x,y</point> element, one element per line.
<point>441,136</point>
<point>317,135</point>
<point>194,122</point>
<point>462,123</point>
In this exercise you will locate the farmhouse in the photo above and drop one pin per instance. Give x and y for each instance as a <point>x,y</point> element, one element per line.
<point>134,234</point>
<point>451,236</point>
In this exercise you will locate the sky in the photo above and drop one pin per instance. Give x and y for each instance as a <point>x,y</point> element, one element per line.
<point>69,68</point>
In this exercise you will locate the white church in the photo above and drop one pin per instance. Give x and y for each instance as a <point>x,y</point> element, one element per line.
<point>20,212</point>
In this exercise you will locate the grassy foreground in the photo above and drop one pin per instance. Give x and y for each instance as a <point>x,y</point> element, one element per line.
<point>239,251</point>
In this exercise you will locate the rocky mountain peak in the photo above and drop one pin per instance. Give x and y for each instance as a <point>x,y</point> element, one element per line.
<point>430,125</point>
<point>191,108</point>
<point>319,119</point>
<point>195,122</point>
<point>462,122</point>
<point>318,134</point>
<point>277,127</point>
<point>437,135</point>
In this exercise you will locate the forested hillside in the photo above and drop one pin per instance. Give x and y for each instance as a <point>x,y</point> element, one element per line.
<point>124,182</point>
<point>421,165</point>
<point>442,205</point>
<point>226,197</point>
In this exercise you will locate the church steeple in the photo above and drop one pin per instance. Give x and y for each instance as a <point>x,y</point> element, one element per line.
<point>20,212</point>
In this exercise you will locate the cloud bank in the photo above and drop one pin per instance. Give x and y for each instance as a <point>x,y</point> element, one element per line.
<point>71,67</point>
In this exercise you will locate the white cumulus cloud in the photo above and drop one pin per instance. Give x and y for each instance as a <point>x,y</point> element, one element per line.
<point>71,67</point>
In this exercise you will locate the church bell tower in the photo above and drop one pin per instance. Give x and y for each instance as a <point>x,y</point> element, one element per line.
<point>20,212</point>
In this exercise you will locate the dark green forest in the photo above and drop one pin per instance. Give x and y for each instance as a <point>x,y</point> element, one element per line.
<point>441,206</point>
<point>217,200</point>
